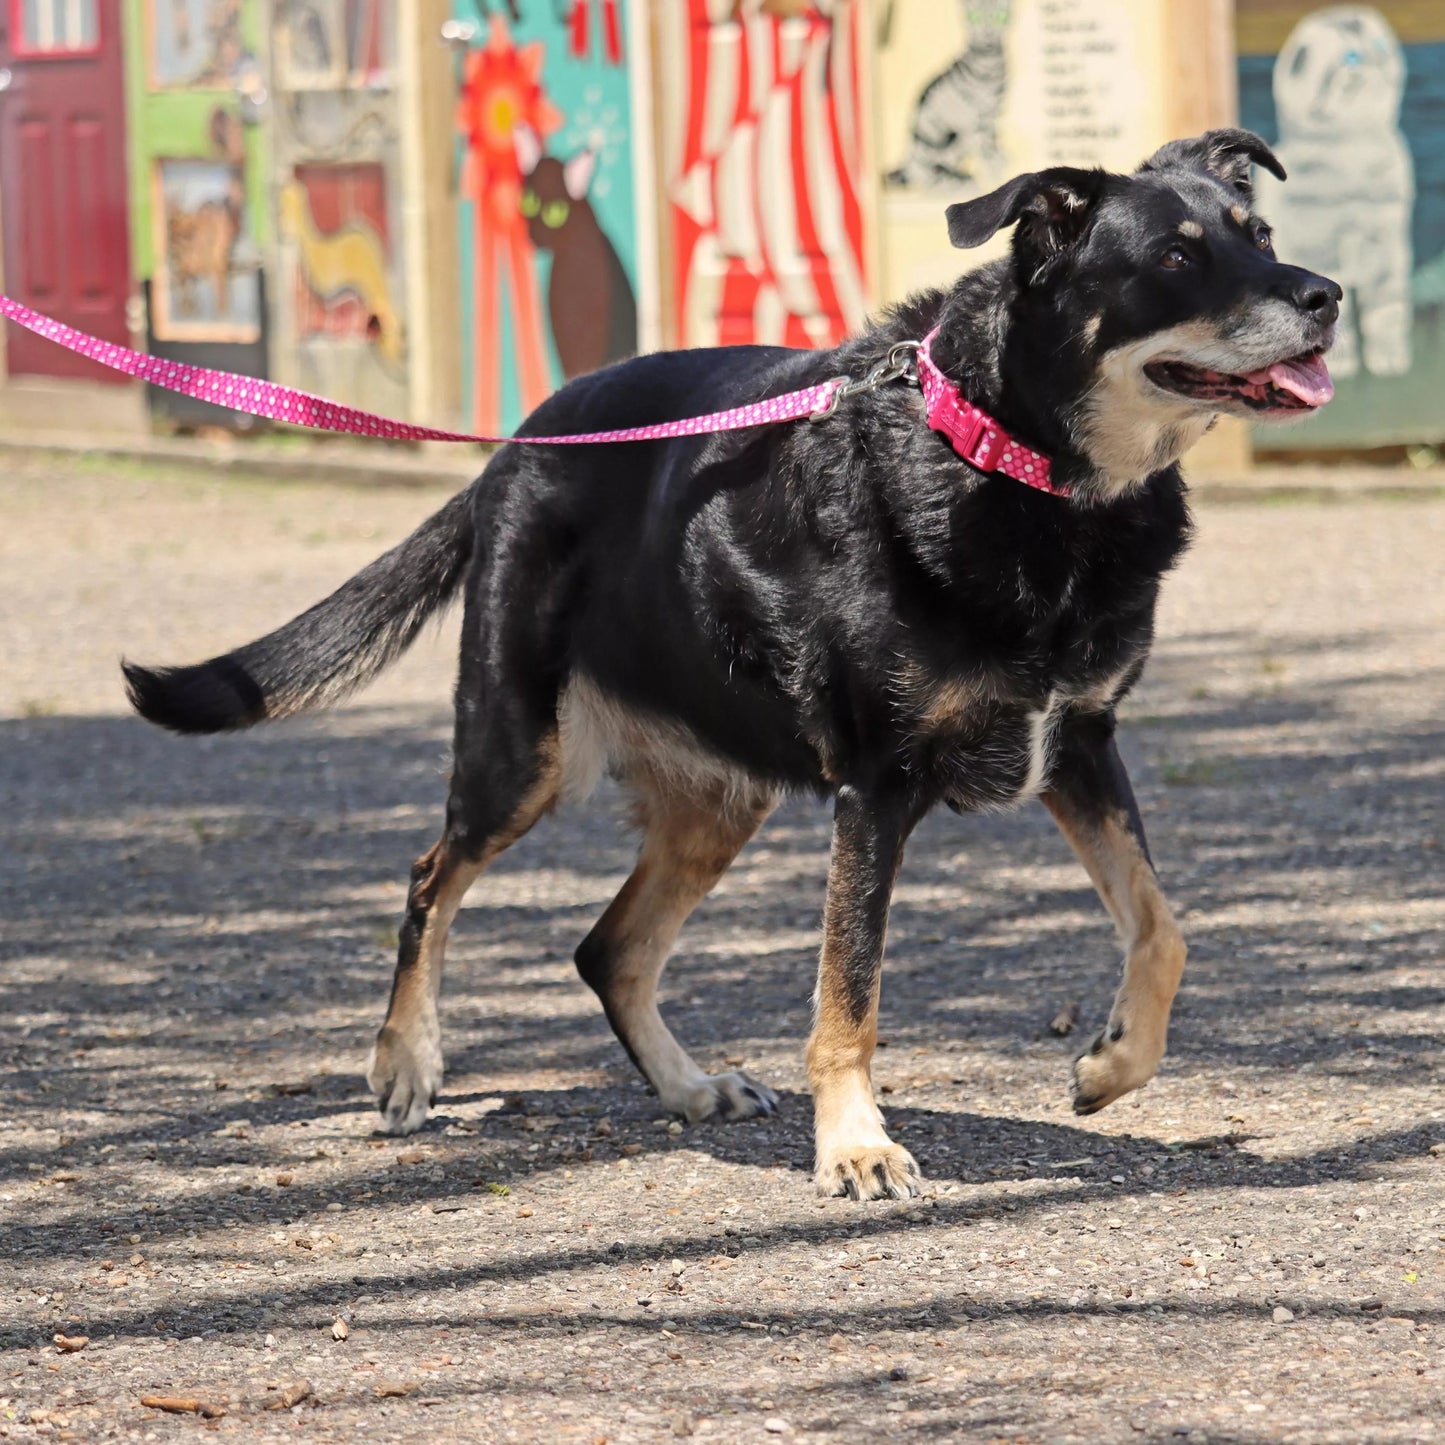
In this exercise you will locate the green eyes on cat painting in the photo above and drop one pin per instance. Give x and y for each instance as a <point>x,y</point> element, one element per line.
<point>553,214</point>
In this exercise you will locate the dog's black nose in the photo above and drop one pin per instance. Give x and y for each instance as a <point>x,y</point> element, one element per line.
<point>1321,298</point>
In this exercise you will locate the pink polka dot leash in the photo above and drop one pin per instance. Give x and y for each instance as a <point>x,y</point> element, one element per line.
<point>975,435</point>
<point>300,408</point>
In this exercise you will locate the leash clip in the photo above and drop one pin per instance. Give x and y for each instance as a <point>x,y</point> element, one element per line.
<point>899,365</point>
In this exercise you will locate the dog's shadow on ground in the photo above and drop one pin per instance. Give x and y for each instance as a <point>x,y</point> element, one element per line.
<point>178,912</point>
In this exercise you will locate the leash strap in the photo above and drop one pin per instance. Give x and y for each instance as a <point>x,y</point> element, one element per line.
<point>973,433</point>
<point>299,408</point>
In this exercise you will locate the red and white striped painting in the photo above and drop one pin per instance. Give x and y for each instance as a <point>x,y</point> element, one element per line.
<point>760,126</point>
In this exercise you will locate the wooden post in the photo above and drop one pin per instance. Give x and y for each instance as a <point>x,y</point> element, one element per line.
<point>648,182</point>
<point>1203,92</point>
<point>429,212</point>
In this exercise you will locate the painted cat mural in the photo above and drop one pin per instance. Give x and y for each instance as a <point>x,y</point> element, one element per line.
<point>955,123</point>
<point>590,305</point>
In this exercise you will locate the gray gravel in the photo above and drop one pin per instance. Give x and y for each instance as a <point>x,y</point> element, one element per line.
<point>195,950</point>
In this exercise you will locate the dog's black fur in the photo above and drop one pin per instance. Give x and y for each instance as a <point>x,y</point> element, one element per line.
<point>843,609</point>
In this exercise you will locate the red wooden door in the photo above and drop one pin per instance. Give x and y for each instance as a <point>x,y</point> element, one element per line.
<point>63,176</point>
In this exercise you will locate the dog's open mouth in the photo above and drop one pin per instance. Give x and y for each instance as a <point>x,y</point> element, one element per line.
<point>1299,383</point>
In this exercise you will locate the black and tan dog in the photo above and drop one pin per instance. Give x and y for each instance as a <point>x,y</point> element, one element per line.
<point>846,609</point>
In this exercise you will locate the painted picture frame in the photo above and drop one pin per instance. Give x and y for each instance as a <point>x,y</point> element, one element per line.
<point>194,44</point>
<point>206,283</point>
<point>334,44</point>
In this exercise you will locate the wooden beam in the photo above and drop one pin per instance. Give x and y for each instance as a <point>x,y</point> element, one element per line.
<point>1202,89</point>
<point>1202,92</point>
<point>427,103</point>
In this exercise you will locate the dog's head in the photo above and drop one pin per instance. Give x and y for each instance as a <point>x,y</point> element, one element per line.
<point>1145,305</point>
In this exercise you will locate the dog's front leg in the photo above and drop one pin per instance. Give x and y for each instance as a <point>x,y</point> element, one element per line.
<point>1093,804</point>
<point>855,1156</point>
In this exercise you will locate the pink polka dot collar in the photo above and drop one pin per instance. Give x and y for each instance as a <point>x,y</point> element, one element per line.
<point>975,435</point>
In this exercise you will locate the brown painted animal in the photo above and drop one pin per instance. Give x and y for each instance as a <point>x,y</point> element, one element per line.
<point>199,245</point>
<point>590,305</point>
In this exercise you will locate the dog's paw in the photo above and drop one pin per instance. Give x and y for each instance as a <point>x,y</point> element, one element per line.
<point>404,1076</point>
<point>1115,1063</point>
<point>726,1096</point>
<point>867,1171</point>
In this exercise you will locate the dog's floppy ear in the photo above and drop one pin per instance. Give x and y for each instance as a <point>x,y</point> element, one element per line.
<point>1224,154</point>
<point>1051,206</point>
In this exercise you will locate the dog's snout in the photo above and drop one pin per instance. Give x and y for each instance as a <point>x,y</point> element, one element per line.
<point>1319,298</point>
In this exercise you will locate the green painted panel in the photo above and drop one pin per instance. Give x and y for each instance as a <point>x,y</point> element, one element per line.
<point>177,123</point>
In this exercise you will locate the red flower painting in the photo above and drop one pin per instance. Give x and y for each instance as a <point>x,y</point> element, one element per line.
<point>502,90</point>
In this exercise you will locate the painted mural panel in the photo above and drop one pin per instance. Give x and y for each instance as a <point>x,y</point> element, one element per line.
<point>549,224</point>
<point>1353,99</point>
<point>972,92</point>
<point>761,130</point>
<point>203,248</point>
<point>194,43</point>
<point>198,185</point>
<point>340,305</point>
<point>206,283</point>
<point>339,219</point>
<point>332,43</point>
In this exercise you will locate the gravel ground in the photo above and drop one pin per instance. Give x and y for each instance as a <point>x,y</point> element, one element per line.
<point>196,940</point>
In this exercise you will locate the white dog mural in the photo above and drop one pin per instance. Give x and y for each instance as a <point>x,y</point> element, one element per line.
<point>1346,210</point>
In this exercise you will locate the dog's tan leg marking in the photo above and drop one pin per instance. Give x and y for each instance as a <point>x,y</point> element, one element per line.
<point>688,845</point>
<point>855,1156</point>
<point>405,1069</point>
<point>1127,1051</point>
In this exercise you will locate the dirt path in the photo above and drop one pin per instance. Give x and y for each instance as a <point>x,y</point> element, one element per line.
<point>195,953</point>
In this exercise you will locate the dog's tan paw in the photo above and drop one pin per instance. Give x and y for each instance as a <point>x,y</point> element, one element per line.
<point>869,1171</point>
<point>727,1096</point>
<point>1113,1065</point>
<point>404,1075</point>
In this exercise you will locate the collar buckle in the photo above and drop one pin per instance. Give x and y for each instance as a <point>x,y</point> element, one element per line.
<point>976,436</point>
<point>989,444</point>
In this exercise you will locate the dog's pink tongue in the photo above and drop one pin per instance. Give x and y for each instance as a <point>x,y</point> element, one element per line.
<point>1306,377</point>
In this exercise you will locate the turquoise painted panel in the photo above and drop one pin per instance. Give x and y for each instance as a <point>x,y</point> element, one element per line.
<point>548,202</point>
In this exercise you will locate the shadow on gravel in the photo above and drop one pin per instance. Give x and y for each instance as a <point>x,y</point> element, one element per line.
<point>262,1303</point>
<point>175,910</point>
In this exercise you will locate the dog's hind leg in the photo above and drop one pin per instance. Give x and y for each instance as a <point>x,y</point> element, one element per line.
<point>688,845</point>
<point>1093,804</point>
<point>855,1156</point>
<point>506,776</point>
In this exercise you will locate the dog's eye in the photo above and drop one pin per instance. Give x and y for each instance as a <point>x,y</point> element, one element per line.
<point>1264,239</point>
<point>1175,258</point>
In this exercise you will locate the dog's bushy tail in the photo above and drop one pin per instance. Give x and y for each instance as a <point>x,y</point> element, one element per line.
<point>324,653</point>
